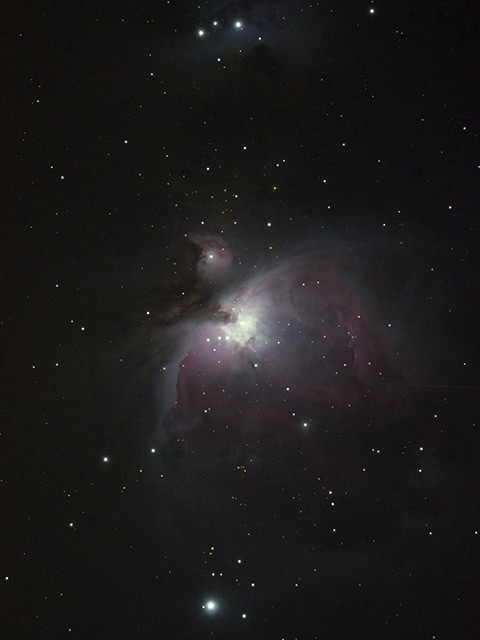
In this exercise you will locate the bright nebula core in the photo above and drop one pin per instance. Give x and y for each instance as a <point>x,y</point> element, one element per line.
<point>292,345</point>
<point>210,606</point>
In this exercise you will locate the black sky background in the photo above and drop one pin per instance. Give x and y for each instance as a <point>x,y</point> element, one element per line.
<point>361,136</point>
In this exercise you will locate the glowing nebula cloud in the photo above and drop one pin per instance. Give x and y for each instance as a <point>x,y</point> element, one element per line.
<point>285,347</point>
<point>214,260</point>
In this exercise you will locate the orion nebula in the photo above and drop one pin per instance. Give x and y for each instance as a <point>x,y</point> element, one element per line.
<point>293,344</point>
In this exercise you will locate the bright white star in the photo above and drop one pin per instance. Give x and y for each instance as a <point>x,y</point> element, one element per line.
<point>210,606</point>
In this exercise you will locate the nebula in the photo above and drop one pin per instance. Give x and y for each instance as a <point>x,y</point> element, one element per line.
<point>290,346</point>
<point>214,259</point>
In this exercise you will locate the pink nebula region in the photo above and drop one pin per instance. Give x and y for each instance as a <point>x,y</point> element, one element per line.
<point>292,348</point>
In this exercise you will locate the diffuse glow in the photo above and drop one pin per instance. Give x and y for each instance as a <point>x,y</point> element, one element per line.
<point>210,606</point>
<point>289,341</point>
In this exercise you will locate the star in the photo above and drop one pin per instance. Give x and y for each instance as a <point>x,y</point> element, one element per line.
<point>210,606</point>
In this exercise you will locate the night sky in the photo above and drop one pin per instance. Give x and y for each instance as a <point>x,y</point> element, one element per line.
<point>239,319</point>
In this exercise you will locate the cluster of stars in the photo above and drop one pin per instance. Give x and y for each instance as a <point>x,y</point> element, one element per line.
<point>203,32</point>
